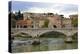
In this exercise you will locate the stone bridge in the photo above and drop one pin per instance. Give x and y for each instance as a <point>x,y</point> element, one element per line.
<point>37,32</point>
<point>68,32</point>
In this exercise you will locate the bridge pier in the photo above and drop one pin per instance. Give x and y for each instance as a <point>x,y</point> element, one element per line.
<point>68,39</point>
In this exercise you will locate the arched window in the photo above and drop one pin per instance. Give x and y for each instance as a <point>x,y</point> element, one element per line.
<point>32,26</point>
<point>21,26</point>
<point>25,26</point>
<point>54,26</point>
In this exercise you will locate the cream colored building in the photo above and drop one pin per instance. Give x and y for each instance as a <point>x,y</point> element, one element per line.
<point>41,23</point>
<point>54,21</point>
<point>67,22</point>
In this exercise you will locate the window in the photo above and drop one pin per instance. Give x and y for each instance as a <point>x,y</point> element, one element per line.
<point>32,26</point>
<point>54,26</point>
<point>20,26</point>
<point>25,26</point>
<point>17,26</point>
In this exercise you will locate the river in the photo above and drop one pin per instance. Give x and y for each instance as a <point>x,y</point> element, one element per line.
<point>47,44</point>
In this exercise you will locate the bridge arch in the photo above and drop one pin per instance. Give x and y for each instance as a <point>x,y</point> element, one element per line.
<point>75,33</point>
<point>39,32</point>
<point>21,33</point>
<point>64,32</point>
<point>52,33</point>
<point>75,36</point>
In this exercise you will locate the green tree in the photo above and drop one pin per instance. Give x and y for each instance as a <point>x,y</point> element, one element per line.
<point>46,23</point>
<point>62,16</point>
<point>75,22</point>
<point>19,15</point>
<point>51,14</point>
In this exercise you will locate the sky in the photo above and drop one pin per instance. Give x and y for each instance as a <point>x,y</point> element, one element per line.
<point>40,7</point>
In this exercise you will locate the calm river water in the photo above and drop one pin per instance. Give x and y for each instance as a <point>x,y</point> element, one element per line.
<point>47,44</point>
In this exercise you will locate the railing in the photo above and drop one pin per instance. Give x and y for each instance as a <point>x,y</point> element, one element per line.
<point>43,28</point>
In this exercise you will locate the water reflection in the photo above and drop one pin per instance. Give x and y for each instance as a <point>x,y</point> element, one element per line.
<point>46,44</point>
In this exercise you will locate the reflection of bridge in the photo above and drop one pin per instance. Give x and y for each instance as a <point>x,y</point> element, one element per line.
<point>37,32</point>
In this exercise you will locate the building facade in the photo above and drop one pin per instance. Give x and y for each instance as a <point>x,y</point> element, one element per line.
<point>74,20</point>
<point>54,21</point>
<point>37,20</point>
<point>66,23</point>
<point>27,23</point>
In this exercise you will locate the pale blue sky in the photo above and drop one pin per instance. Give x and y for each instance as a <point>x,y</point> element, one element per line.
<point>65,9</point>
